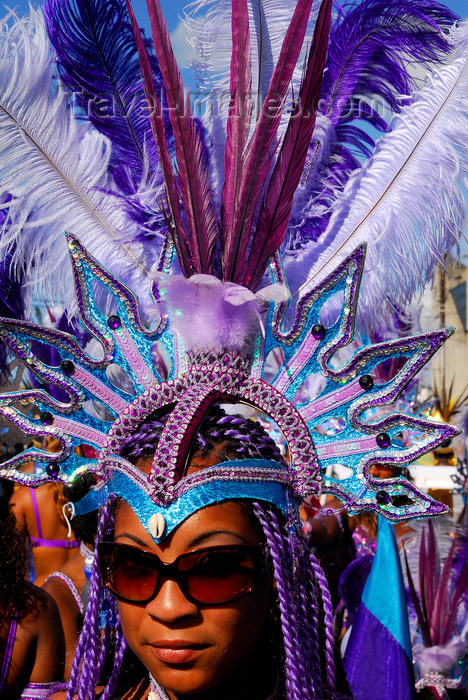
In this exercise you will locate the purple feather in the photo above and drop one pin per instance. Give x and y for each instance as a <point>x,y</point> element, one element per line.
<point>440,593</point>
<point>371,43</point>
<point>422,619</point>
<point>260,150</point>
<point>194,184</point>
<point>240,112</point>
<point>432,576</point>
<point>460,572</point>
<point>98,60</point>
<point>277,202</point>
<point>175,223</point>
<point>422,574</point>
<point>441,598</point>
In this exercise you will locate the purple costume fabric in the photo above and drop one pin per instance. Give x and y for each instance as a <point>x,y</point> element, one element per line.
<point>8,653</point>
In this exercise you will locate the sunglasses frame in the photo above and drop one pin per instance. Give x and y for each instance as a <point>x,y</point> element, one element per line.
<point>171,571</point>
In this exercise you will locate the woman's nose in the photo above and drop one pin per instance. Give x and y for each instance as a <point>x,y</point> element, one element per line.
<point>170,604</point>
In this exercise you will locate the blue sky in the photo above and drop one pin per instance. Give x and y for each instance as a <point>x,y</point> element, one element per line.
<point>173,8</point>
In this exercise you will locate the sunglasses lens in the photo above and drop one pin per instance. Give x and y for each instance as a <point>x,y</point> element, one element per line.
<point>127,571</point>
<point>219,575</point>
<point>209,576</point>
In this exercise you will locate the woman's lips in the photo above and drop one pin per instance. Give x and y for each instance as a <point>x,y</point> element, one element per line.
<point>177,652</point>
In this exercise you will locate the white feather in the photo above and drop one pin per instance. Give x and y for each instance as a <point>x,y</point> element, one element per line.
<point>407,202</point>
<point>56,170</point>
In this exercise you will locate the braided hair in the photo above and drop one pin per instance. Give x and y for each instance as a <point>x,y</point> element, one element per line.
<point>241,437</point>
<point>305,625</point>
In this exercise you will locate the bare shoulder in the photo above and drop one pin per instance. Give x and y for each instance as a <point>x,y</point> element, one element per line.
<point>20,498</point>
<point>45,614</point>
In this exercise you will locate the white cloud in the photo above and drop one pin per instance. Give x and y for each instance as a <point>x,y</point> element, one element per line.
<point>183,50</point>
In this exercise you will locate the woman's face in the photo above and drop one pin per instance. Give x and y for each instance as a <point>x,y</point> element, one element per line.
<point>189,647</point>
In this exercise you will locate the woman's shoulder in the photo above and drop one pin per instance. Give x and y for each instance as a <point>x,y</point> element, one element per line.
<point>44,615</point>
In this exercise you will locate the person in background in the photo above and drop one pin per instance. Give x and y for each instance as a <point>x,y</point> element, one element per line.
<point>39,513</point>
<point>31,638</point>
<point>69,585</point>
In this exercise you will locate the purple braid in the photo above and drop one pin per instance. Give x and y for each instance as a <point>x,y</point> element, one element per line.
<point>328,621</point>
<point>105,643</point>
<point>244,437</point>
<point>303,602</point>
<point>86,663</point>
<point>120,645</point>
<point>298,681</point>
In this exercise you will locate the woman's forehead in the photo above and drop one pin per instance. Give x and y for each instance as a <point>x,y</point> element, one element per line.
<point>222,523</point>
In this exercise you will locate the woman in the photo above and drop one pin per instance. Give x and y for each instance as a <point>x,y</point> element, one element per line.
<point>39,513</point>
<point>245,613</point>
<point>219,323</point>
<point>69,585</point>
<point>31,637</point>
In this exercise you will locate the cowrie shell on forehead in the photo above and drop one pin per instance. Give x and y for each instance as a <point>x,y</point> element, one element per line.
<point>157,525</point>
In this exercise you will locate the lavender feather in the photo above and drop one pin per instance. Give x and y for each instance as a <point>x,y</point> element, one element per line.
<point>98,60</point>
<point>393,201</point>
<point>11,286</point>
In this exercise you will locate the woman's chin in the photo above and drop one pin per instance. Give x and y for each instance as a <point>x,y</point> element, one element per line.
<point>184,679</point>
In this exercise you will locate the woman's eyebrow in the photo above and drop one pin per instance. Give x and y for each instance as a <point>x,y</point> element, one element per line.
<point>134,538</point>
<point>212,533</point>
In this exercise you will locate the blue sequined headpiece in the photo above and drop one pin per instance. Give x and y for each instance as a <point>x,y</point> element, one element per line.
<point>199,378</point>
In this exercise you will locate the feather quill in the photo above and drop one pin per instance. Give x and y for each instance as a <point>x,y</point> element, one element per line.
<point>394,202</point>
<point>65,178</point>
<point>194,182</point>
<point>277,202</point>
<point>260,149</point>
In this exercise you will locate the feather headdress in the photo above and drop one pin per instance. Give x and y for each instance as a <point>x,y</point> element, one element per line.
<point>217,327</point>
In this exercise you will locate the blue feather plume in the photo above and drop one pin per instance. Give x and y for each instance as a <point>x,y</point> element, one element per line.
<point>373,43</point>
<point>98,61</point>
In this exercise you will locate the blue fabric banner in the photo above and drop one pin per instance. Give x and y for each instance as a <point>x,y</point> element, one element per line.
<point>378,659</point>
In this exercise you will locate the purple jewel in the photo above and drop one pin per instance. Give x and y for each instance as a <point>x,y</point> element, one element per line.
<point>383,440</point>
<point>366,382</point>
<point>46,418</point>
<point>52,469</point>
<point>318,331</point>
<point>67,367</point>
<point>382,498</point>
<point>114,322</point>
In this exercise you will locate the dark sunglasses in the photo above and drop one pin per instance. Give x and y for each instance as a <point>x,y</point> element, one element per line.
<point>210,576</point>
